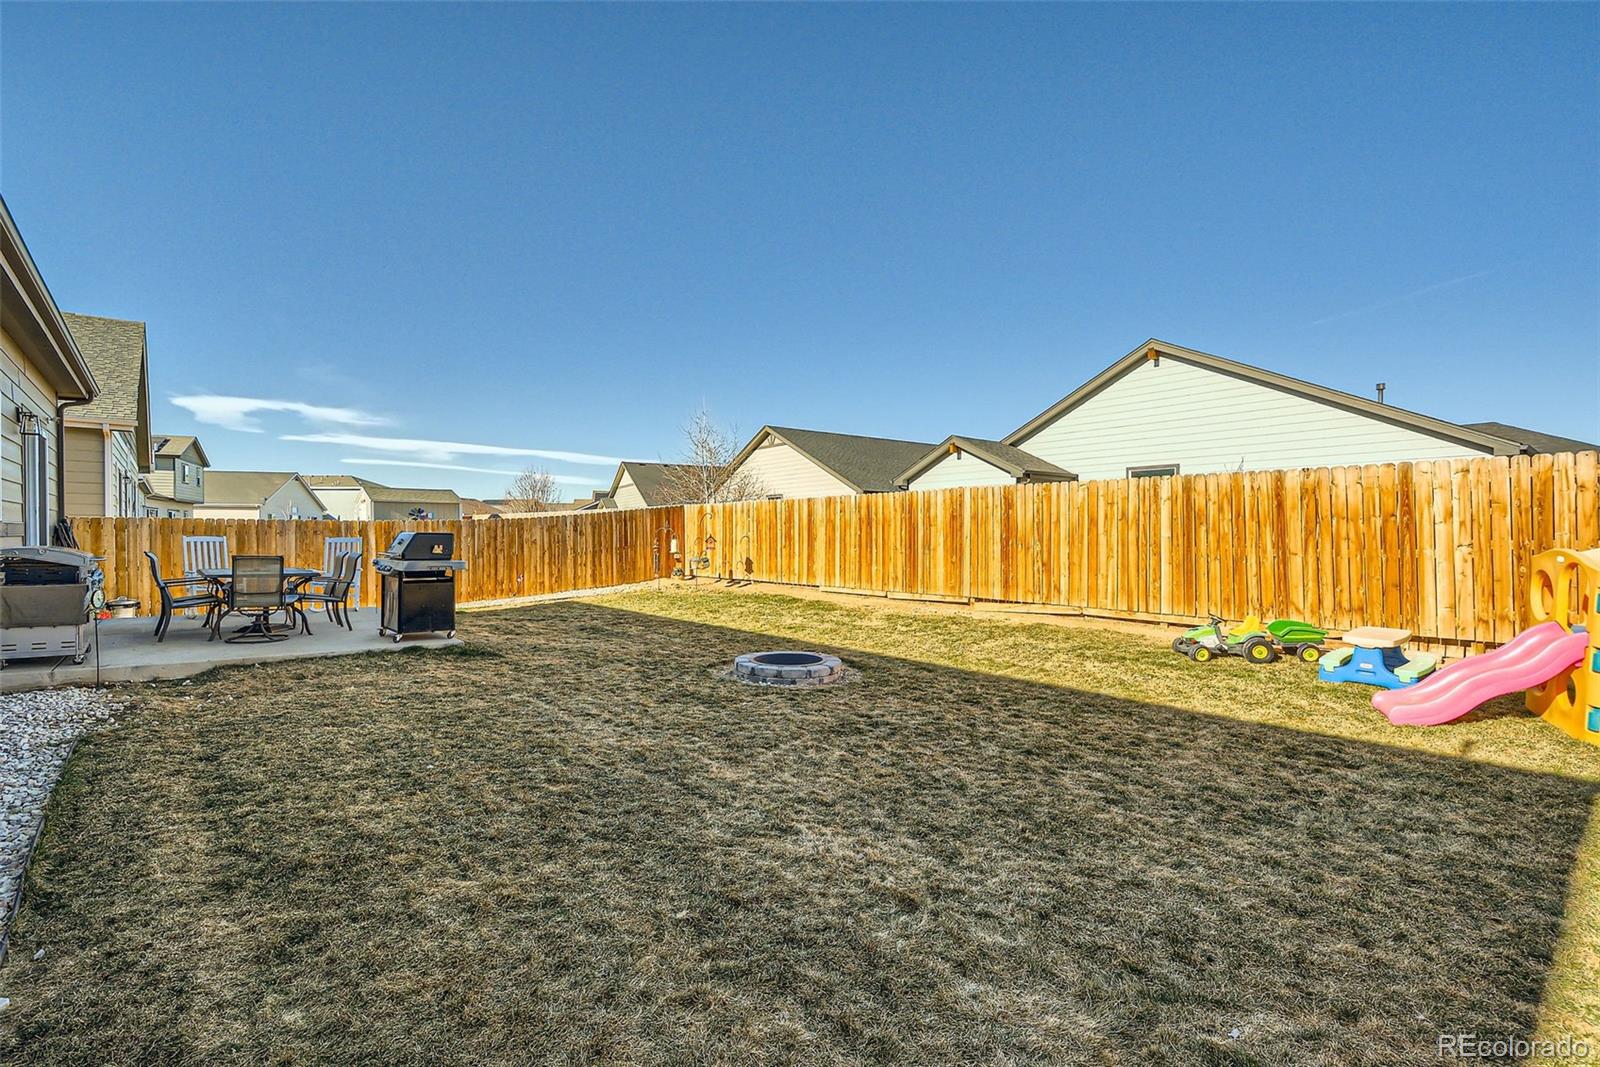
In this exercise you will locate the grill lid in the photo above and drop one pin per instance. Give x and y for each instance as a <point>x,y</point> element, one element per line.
<point>416,544</point>
<point>47,554</point>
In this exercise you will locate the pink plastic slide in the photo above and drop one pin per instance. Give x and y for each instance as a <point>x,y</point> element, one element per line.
<point>1534,657</point>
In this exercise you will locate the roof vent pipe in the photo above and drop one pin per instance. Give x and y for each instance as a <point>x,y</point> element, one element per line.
<point>1381,387</point>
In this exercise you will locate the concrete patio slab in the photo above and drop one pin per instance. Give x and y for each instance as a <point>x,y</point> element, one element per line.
<point>126,651</point>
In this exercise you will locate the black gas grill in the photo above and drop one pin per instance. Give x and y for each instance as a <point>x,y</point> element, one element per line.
<point>47,596</point>
<point>418,584</point>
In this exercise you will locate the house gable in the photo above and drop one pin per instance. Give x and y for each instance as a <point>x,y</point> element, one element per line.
<point>958,467</point>
<point>1162,405</point>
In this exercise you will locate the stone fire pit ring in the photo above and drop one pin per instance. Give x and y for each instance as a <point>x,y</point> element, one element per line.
<point>788,668</point>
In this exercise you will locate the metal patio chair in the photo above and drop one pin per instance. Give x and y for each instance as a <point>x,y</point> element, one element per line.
<point>332,548</point>
<point>169,602</point>
<point>335,596</point>
<point>256,591</point>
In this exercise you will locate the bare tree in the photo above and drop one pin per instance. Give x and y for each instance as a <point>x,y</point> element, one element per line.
<point>532,490</point>
<point>705,472</point>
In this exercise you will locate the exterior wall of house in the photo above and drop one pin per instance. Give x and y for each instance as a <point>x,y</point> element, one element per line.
<point>1205,421</point>
<point>92,489</point>
<point>786,473</point>
<point>86,471</point>
<point>125,494</point>
<point>960,468</point>
<point>22,385</point>
<point>292,500</point>
<point>401,509</point>
<point>179,478</point>
<point>164,507</point>
<point>229,511</point>
<point>348,503</point>
<point>627,495</point>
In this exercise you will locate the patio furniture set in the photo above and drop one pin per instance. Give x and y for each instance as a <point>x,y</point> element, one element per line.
<point>258,587</point>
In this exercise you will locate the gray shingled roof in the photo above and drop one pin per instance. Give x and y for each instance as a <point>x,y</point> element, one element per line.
<point>866,464</point>
<point>174,445</point>
<point>1532,439</point>
<point>1024,466</point>
<point>115,351</point>
<point>248,488</point>
<point>387,494</point>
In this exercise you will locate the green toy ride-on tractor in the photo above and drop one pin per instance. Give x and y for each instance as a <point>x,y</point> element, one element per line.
<point>1252,641</point>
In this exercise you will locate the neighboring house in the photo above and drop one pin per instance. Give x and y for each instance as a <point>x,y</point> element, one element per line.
<point>42,371</point>
<point>506,508</point>
<point>788,462</point>
<point>1163,409</point>
<point>358,499</point>
<point>973,461</point>
<point>477,509</point>
<point>107,440</point>
<point>177,483</point>
<point>641,485</point>
<point>258,495</point>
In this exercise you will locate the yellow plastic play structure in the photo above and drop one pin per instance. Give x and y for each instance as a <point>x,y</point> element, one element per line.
<point>1565,588</point>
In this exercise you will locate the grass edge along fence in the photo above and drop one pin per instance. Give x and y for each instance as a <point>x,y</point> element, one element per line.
<point>1441,548</point>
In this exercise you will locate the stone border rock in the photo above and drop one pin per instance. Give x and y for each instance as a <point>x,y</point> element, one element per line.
<point>788,668</point>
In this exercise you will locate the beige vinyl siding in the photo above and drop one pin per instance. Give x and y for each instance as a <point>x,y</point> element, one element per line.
<point>292,500</point>
<point>166,481</point>
<point>228,511</point>
<point>86,471</point>
<point>383,509</point>
<point>787,473</point>
<point>124,484</point>
<point>349,503</point>
<point>1204,421</point>
<point>627,495</point>
<point>21,384</point>
<point>960,468</point>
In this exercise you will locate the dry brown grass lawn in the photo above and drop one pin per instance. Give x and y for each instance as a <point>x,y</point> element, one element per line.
<point>575,842</point>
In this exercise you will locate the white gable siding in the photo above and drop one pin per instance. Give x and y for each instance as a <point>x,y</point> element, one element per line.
<point>784,472</point>
<point>960,468</point>
<point>627,495</point>
<point>349,503</point>
<point>1206,421</point>
<point>292,501</point>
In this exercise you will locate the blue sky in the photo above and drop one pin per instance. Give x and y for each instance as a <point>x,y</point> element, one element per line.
<point>563,228</point>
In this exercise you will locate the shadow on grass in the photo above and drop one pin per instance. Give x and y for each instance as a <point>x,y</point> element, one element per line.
<point>581,842</point>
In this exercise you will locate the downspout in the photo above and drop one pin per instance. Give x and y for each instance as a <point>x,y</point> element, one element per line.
<point>61,454</point>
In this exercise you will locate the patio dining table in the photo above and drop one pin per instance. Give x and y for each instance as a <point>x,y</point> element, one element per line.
<point>293,579</point>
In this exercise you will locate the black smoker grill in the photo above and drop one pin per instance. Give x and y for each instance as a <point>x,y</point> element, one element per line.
<point>418,594</point>
<point>46,598</point>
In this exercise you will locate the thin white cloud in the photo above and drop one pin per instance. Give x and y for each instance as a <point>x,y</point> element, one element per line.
<point>1403,297</point>
<point>238,412</point>
<point>445,451</point>
<point>565,479</point>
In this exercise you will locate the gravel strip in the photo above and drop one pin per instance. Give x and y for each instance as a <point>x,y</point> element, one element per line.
<point>37,731</point>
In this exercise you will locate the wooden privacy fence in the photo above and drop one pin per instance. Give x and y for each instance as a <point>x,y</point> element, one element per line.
<point>505,558</point>
<point>1439,548</point>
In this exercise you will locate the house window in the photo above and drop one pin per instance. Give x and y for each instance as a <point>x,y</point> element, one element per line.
<point>1164,470</point>
<point>35,479</point>
<point>183,472</point>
